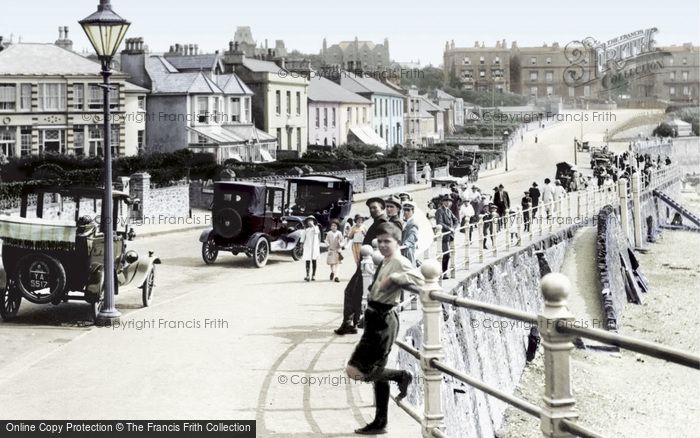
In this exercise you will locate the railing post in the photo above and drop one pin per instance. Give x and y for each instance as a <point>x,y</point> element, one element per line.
<point>480,235</point>
<point>558,399</point>
<point>568,206</point>
<point>636,210</point>
<point>578,205</point>
<point>431,349</point>
<point>506,220</point>
<point>624,210</point>
<point>453,257</point>
<point>520,220</point>
<point>467,244</point>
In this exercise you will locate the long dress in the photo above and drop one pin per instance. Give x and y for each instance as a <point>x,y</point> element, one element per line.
<point>311,238</point>
<point>334,239</point>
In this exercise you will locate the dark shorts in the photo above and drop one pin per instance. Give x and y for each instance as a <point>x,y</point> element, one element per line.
<point>372,352</point>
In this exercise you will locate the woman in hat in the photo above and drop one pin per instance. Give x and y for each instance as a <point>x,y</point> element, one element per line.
<point>357,236</point>
<point>312,246</point>
<point>334,239</point>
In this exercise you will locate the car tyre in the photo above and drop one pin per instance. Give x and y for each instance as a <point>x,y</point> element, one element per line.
<point>147,288</point>
<point>10,300</point>
<point>261,252</point>
<point>54,269</point>
<point>209,251</point>
<point>298,251</point>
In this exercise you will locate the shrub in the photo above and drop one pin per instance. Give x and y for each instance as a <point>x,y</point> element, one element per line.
<point>663,130</point>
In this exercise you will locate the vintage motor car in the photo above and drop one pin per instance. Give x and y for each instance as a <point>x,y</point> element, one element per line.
<point>568,175</point>
<point>322,196</point>
<point>54,250</point>
<point>248,218</point>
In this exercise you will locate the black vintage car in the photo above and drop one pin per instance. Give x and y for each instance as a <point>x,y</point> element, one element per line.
<point>248,218</point>
<point>53,251</point>
<point>568,175</point>
<point>322,196</point>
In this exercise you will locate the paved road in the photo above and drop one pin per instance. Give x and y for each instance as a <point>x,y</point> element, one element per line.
<point>249,339</point>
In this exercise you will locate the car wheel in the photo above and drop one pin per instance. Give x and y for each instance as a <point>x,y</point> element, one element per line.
<point>209,251</point>
<point>147,289</point>
<point>40,278</point>
<point>298,251</point>
<point>261,252</point>
<point>10,299</point>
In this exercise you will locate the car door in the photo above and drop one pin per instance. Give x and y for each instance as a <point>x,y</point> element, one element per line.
<point>274,206</point>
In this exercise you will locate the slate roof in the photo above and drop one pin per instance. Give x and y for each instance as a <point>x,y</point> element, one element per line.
<point>166,81</point>
<point>257,65</point>
<point>324,90</point>
<point>232,84</point>
<point>358,84</point>
<point>205,62</point>
<point>45,59</point>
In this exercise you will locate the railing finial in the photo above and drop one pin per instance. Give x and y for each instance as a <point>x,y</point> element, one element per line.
<point>556,288</point>
<point>431,270</point>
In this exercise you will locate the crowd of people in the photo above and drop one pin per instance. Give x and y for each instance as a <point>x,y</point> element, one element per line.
<point>625,164</point>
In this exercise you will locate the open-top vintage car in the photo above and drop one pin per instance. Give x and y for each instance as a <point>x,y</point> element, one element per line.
<point>248,218</point>
<point>54,250</point>
<point>322,196</point>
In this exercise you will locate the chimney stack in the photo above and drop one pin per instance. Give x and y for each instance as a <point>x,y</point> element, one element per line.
<point>60,32</point>
<point>63,40</point>
<point>196,49</point>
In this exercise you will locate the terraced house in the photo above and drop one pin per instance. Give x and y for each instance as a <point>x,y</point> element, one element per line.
<point>51,102</point>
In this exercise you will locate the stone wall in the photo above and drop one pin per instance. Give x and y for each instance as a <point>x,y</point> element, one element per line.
<point>441,172</point>
<point>609,245</point>
<point>486,347</point>
<point>157,204</point>
<point>396,180</point>
<point>375,184</point>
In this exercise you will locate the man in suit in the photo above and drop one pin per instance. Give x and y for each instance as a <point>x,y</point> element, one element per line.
<point>409,234</point>
<point>352,305</point>
<point>447,222</point>
<point>502,201</point>
<point>535,194</point>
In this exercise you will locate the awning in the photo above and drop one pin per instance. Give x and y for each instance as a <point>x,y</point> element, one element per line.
<point>368,136</point>
<point>233,134</point>
<point>266,156</point>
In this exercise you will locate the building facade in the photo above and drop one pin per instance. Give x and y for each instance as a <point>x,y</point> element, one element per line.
<point>356,54</point>
<point>51,101</point>
<point>280,100</point>
<point>337,116</point>
<point>387,106</point>
<point>478,68</point>
<point>196,106</point>
<point>679,82</point>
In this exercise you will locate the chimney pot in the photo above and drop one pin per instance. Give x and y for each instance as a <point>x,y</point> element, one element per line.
<point>60,32</point>
<point>65,31</point>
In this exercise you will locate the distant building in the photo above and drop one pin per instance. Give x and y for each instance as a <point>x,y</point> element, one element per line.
<point>478,68</point>
<point>387,105</point>
<point>51,101</point>
<point>247,45</point>
<point>338,116</point>
<point>280,98</point>
<point>424,121</point>
<point>453,107</point>
<point>679,81</point>
<point>196,106</point>
<point>353,55</point>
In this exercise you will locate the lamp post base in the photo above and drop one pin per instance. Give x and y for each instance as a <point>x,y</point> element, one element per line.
<point>105,319</point>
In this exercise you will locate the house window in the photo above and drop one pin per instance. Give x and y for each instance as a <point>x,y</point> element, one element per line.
<point>533,76</point>
<point>79,140</point>
<point>299,139</point>
<point>670,61</point>
<point>497,60</point>
<point>349,115</point>
<point>96,99</point>
<point>79,97</point>
<point>26,142</point>
<point>548,60</point>
<point>8,97</point>
<point>289,138</point>
<point>95,140</point>
<point>481,60</point>
<point>333,119</point>
<point>533,91</point>
<point>533,61</point>
<point>685,61</point>
<point>279,137</point>
<point>684,76</point>
<point>318,117</point>
<point>686,91</point>
<point>246,109</point>
<point>235,109</point>
<point>386,108</point>
<point>550,91</point>
<point>141,140</point>
<point>298,103</point>
<point>289,103</point>
<point>142,103</point>
<point>482,73</point>
<point>8,141</point>
<point>203,109</point>
<point>217,110</point>
<point>672,75</point>
<point>278,102</point>
<point>357,116</point>
<point>549,76</point>
<point>325,117</point>
<point>26,97</point>
<point>467,61</point>
<point>375,107</point>
<point>672,91</point>
<point>53,141</point>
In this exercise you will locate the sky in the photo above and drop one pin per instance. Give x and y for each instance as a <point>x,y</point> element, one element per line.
<point>417,30</point>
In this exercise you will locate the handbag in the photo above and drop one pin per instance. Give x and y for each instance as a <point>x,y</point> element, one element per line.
<point>340,256</point>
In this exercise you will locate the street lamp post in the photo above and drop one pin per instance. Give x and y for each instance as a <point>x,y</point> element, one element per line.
<point>575,151</point>
<point>505,146</point>
<point>106,30</point>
